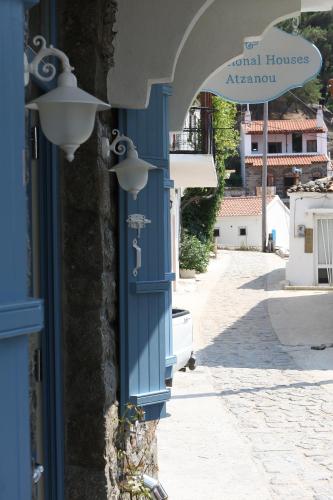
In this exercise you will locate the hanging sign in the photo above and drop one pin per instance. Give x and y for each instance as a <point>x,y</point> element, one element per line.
<point>267,68</point>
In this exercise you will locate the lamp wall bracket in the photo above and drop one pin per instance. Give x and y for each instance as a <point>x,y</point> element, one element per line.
<point>116,147</point>
<point>48,70</point>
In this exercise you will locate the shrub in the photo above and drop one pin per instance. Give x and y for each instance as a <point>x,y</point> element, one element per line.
<point>193,254</point>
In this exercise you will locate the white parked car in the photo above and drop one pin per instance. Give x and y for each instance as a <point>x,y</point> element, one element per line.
<point>182,327</point>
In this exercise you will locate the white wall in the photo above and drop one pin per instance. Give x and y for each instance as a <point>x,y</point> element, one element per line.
<point>278,218</point>
<point>229,231</point>
<point>287,142</point>
<point>301,268</point>
<point>322,143</point>
<point>175,198</point>
<point>245,145</point>
<point>259,139</point>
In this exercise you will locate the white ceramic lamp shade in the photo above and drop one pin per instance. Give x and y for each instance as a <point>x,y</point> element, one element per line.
<point>67,114</point>
<point>132,174</point>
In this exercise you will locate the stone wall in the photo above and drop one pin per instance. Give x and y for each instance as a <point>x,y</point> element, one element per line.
<point>253,177</point>
<point>90,242</point>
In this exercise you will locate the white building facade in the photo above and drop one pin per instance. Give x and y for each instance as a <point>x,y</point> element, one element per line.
<point>311,235</point>
<point>297,152</point>
<point>239,223</point>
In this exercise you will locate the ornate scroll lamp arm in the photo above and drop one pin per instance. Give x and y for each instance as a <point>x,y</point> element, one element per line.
<point>120,149</point>
<point>48,70</point>
<point>117,148</point>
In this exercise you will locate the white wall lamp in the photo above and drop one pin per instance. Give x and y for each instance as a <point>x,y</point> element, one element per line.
<point>67,113</point>
<point>132,173</point>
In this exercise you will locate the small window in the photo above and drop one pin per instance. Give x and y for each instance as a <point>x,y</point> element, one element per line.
<point>254,147</point>
<point>311,146</point>
<point>242,231</point>
<point>274,147</point>
<point>216,232</point>
<point>297,143</point>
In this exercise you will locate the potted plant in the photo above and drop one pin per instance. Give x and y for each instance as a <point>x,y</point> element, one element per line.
<point>193,257</point>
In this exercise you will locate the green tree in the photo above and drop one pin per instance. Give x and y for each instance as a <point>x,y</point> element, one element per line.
<point>200,205</point>
<point>318,29</point>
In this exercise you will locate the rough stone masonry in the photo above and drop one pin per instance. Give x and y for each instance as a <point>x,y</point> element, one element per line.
<point>90,242</point>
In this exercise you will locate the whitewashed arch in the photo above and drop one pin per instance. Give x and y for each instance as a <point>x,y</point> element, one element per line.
<point>185,42</point>
<point>150,37</point>
<point>219,35</point>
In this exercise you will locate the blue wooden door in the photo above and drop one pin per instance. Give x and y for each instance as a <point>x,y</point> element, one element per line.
<point>145,300</point>
<point>19,316</point>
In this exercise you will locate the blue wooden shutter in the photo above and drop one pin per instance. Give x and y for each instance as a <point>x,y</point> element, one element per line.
<point>19,316</point>
<point>145,301</point>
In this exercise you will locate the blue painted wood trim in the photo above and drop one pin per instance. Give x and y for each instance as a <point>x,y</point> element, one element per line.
<point>157,161</point>
<point>30,3</point>
<point>169,183</point>
<point>170,276</point>
<point>145,309</point>
<point>51,276</point>
<point>170,360</point>
<point>51,288</point>
<point>150,286</point>
<point>151,398</point>
<point>167,89</point>
<point>21,318</point>
<point>15,453</point>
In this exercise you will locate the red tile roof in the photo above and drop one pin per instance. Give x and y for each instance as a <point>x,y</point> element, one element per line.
<point>286,160</point>
<point>281,126</point>
<point>242,205</point>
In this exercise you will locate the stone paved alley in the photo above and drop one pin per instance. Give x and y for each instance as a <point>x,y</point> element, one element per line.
<point>255,419</point>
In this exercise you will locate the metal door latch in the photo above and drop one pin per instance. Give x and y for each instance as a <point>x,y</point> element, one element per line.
<point>37,473</point>
<point>138,222</point>
<point>138,257</point>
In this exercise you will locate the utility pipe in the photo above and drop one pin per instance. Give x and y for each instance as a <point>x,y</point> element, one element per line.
<point>264,178</point>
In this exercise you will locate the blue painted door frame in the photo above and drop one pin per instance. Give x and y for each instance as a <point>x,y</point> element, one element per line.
<point>19,315</point>
<point>145,300</point>
<point>49,272</point>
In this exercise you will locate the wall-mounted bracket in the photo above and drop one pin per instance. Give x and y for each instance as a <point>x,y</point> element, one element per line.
<point>137,222</point>
<point>48,71</point>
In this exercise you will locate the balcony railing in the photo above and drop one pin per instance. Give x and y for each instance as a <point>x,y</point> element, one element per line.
<point>192,141</point>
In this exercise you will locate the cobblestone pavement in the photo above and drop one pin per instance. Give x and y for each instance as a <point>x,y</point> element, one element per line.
<point>273,436</point>
<point>284,413</point>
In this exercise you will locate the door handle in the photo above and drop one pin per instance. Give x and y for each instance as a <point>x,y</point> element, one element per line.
<point>37,473</point>
<point>138,257</point>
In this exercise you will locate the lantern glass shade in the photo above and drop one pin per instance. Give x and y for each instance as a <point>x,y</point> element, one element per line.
<point>132,174</point>
<point>67,116</point>
<point>67,125</point>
